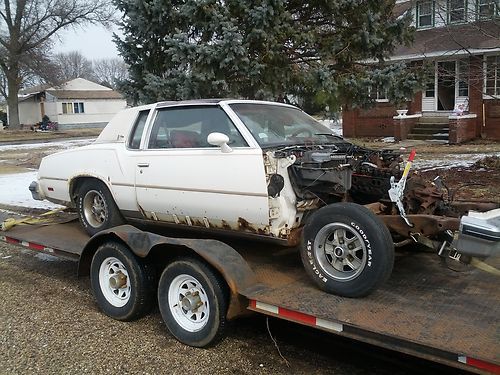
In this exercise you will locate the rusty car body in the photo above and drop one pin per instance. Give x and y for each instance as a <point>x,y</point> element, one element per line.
<point>256,168</point>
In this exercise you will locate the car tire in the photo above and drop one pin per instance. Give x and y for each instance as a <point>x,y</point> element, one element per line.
<point>123,285</point>
<point>96,208</point>
<point>193,301</point>
<point>347,250</point>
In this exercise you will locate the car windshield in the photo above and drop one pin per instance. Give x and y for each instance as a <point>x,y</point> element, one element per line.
<point>273,125</point>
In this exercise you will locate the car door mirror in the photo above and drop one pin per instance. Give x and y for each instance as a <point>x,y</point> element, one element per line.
<point>221,140</point>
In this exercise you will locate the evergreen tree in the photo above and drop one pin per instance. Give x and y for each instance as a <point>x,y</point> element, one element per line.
<point>334,51</point>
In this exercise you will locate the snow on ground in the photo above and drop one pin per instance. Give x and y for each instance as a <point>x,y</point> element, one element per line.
<point>62,145</point>
<point>14,187</point>
<point>334,126</point>
<point>14,191</point>
<point>449,161</point>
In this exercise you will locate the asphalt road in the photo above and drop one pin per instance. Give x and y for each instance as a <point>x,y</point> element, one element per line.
<point>50,324</point>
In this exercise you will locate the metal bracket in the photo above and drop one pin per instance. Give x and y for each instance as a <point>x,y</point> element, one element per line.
<point>397,189</point>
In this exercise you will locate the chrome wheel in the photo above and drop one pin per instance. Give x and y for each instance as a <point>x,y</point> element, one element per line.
<point>114,282</point>
<point>340,251</point>
<point>95,208</point>
<point>188,303</point>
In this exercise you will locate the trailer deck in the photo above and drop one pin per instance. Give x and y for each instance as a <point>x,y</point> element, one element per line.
<point>425,309</point>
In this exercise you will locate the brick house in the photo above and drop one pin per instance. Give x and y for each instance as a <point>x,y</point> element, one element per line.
<point>459,40</point>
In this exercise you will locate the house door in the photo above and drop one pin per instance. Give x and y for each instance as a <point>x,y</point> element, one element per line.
<point>446,75</point>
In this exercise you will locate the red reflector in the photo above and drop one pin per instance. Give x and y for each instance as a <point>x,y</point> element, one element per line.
<point>50,189</point>
<point>297,316</point>
<point>490,367</point>
<point>11,240</point>
<point>36,246</point>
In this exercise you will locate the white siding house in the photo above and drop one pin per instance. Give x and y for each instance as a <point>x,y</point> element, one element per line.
<point>75,104</point>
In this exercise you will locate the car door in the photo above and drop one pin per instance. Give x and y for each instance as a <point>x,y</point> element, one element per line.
<point>182,179</point>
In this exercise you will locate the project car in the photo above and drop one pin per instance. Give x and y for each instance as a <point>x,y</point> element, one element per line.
<point>255,168</point>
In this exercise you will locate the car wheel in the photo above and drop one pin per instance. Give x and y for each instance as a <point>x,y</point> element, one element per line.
<point>347,250</point>
<point>123,285</point>
<point>96,208</point>
<point>193,301</point>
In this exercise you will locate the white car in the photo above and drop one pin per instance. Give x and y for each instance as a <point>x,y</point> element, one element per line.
<point>257,168</point>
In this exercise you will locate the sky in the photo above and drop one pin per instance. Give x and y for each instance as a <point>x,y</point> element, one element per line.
<point>94,42</point>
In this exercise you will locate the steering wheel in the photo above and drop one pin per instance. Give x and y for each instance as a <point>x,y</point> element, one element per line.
<point>306,131</point>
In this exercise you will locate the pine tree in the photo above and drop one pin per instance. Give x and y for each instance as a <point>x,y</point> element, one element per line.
<point>334,51</point>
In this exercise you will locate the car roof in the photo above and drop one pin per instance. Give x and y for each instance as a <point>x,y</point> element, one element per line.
<point>169,103</point>
<point>215,101</point>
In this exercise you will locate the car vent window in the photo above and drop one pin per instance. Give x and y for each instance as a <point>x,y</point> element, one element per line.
<point>189,127</point>
<point>135,138</point>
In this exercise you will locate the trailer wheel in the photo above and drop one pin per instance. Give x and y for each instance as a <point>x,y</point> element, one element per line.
<point>347,250</point>
<point>122,284</point>
<point>96,208</point>
<point>193,301</point>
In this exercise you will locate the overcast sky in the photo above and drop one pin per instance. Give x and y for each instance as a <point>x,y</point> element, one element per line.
<point>94,42</point>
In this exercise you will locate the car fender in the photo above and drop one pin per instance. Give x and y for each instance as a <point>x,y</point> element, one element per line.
<point>89,174</point>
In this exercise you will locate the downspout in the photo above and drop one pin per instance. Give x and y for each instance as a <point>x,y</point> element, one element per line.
<point>483,128</point>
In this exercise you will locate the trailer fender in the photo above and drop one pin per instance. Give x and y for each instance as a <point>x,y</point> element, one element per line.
<point>226,260</point>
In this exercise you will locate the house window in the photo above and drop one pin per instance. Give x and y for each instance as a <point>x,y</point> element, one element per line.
<point>378,94</point>
<point>487,9</point>
<point>463,78</point>
<point>73,108</point>
<point>457,10</point>
<point>492,86</point>
<point>425,14</point>
<point>79,108</point>
<point>67,108</point>
<point>430,90</point>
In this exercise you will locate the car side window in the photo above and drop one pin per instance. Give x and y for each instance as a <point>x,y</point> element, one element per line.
<point>189,127</point>
<point>135,138</point>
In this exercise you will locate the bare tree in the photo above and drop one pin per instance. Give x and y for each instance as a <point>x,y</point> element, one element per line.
<point>110,71</point>
<point>73,65</point>
<point>28,25</point>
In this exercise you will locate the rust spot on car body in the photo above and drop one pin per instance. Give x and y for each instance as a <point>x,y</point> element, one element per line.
<point>295,236</point>
<point>245,226</point>
<point>225,225</point>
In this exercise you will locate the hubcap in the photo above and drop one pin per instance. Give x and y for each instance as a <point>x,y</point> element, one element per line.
<point>95,208</point>
<point>188,303</point>
<point>114,282</point>
<point>340,251</point>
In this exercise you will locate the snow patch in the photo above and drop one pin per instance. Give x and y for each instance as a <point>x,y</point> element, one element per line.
<point>62,145</point>
<point>334,125</point>
<point>14,191</point>
<point>388,140</point>
<point>449,161</point>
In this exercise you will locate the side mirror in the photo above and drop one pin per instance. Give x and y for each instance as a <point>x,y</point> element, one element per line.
<point>221,140</point>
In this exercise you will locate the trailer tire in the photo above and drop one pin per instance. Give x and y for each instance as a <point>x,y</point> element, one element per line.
<point>97,209</point>
<point>347,250</point>
<point>193,301</point>
<point>123,285</point>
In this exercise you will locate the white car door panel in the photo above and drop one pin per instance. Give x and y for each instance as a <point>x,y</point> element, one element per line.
<point>179,185</point>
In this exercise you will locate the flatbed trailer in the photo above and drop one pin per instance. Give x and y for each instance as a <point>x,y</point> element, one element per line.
<point>425,309</point>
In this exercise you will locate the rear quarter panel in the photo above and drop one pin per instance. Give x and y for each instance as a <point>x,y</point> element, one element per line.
<point>106,162</point>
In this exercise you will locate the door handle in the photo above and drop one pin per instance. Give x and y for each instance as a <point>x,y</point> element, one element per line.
<point>143,165</point>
